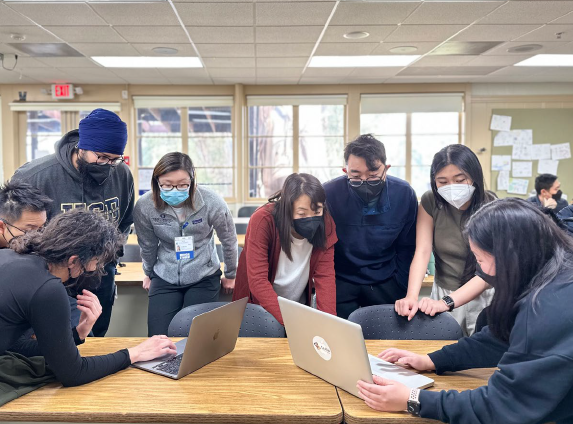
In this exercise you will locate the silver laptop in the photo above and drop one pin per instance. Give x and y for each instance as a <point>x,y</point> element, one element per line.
<point>211,336</point>
<point>333,349</point>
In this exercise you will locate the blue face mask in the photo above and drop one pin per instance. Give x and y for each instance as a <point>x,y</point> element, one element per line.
<point>174,197</point>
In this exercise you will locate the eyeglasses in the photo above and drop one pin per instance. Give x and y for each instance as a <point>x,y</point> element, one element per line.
<point>178,187</point>
<point>104,160</point>
<point>357,182</point>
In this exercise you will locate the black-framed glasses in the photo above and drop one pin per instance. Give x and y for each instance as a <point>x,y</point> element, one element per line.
<point>104,160</point>
<point>178,187</point>
<point>357,182</point>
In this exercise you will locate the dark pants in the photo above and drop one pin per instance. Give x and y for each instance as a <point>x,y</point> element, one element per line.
<point>165,300</point>
<point>350,297</point>
<point>105,292</point>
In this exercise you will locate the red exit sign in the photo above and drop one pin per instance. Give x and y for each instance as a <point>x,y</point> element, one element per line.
<point>62,91</point>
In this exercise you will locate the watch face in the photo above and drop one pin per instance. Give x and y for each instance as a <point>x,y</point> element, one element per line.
<point>410,409</point>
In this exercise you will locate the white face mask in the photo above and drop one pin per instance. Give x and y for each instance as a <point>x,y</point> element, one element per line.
<point>457,195</point>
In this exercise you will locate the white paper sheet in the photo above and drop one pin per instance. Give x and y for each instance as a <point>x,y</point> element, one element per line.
<point>541,151</point>
<point>561,151</point>
<point>517,186</point>
<point>522,169</point>
<point>502,180</point>
<point>521,152</point>
<point>522,136</point>
<point>503,138</point>
<point>501,163</point>
<point>144,176</point>
<point>547,167</point>
<point>500,123</point>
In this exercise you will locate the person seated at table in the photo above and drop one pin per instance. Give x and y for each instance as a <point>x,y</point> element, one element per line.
<point>566,216</point>
<point>174,224</point>
<point>35,272</point>
<point>528,259</point>
<point>458,191</point>
<point>289,249</point>
<point>548,193</point>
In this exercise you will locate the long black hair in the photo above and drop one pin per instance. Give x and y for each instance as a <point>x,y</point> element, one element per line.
<point>529,251</point>
<point>295,186</point>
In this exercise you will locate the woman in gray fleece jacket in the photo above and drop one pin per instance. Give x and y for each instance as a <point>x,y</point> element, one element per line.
<point>174,224</point>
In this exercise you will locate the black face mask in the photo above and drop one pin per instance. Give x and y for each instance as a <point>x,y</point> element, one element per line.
<point>490,279</point>
<point>557,196</point>
<point>98,173</point>
<point>307,227</point>
<point>367,192</point>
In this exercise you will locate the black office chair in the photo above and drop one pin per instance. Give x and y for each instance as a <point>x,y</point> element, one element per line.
<point>131,253</point>
<point>246,211</point>
<point>241,228</point>
<point>256,322</point>
<point>381,322</point>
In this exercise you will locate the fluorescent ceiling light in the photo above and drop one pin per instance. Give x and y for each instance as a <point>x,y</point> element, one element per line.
<point>361,61</point>
<point>548,60</point>
<point>148,62</point>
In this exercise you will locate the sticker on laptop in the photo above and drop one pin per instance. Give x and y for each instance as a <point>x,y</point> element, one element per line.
<point>322,348</point>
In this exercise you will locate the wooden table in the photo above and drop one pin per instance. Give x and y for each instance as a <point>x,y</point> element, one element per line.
<point>357,412</point>
<point>256,383</point>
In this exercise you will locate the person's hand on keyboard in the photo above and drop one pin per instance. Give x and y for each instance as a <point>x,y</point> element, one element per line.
<point>152,348</point>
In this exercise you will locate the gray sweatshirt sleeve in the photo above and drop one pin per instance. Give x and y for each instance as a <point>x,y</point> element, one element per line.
<point>222,221</point>
<point>146,238</point>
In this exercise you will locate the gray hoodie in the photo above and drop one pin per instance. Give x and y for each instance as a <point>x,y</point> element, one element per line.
<point>157,229</point>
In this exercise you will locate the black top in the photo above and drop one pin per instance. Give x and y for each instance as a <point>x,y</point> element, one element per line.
<point>32,297</point>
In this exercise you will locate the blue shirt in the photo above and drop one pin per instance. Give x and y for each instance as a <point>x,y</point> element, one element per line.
<point>374,243</point>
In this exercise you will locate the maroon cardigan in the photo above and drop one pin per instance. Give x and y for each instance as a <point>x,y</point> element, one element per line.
<point>260,257</point>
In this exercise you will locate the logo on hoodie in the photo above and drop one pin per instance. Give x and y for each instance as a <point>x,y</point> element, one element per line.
<point>109,208</point>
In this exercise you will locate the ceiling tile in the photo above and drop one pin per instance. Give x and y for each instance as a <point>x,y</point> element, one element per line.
<point>322,80</point>
<point>326,72</point>
<point>497,60</point>
<point>411,33</point>
<point>68,14</point>
<point>292,34</point>
<point>284,50</point>
<point>184,73</point>
<point>160,35</point>
<point>105,49</point>
<point>472,48</point>
<point>234,62</point>
<point>289,13</point>
<point>89,73</point>
<point>206,35</point>
<point>449,70</point>
<point>279,72</point>
<point>185,50</point>
<point>375,13</point>
<point>231,81</point>
<point>47,75</point>
<point>226,50</point>
<point>335,34</point>
<point>281,62</point>
<point>375,72</point>
<point>216,14</point>
<point>565,19</point>
<point>494,32</point>
<point>345,49</point>
<point>357,80</point>
<point>147,81</point>
<point>429,80</point>
<point>4,48</point>
<point>529,12</point>
<point>127,73</point>
<point>88,34</point>
<point>9,17</point>
<point>516,71</point>
<point>65,62</point>
<point>443,60</point>
<point>152,14</point>
<point>423,47</point>
<point>27,62</point>
<point>548,33</point>
<point>548,47</point>
<point>190,81</point>
<point>232,72</point>
<point>451,13</point>
<point>33,34</point>
<point>11,77</point>
<point>277,81</point>
<point>99,80</point>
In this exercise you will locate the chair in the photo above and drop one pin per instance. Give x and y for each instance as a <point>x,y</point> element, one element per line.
<point>257,322</point>
<point>246,211</point>
<point>383,323</point>
<point>241,228</point>
<point>131,253</point>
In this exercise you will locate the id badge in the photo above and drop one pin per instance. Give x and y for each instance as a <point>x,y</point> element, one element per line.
<point>184,248</point>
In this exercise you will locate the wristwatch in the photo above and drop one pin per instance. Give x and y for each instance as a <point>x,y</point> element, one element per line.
<point>449,302</point>
<point>414,403</point>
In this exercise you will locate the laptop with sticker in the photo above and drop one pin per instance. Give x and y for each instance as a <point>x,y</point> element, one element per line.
<point>333,349</point>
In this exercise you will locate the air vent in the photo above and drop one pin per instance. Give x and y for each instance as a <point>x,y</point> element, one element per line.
<point>46,49</point>
<point>465,48</point>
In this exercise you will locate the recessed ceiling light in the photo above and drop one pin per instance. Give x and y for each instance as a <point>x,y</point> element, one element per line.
<point>356,35</point>
<point>404,49</point>
<point>548,60</point>
<point>165,50</point>
<point>148,62</point>
<point>361,61</point>
<point>525,48</point>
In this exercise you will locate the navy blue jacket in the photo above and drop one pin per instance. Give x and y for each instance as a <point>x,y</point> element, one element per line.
<point>567,213</point>
<point>534,383</point>
<point>375,245</point>
<point>561,203</point>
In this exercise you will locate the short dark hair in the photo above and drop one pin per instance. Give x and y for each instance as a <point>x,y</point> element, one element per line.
<point>17,197</point>
<point>174,161</point>
<point>367,147</point>
<point>544,182</point>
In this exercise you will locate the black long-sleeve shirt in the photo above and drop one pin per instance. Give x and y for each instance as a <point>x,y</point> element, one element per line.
<point>32,297</point>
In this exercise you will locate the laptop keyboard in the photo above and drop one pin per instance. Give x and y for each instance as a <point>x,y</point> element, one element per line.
<point>170,366</point>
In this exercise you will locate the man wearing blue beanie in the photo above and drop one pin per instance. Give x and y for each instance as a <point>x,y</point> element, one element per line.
<point>87,171</point>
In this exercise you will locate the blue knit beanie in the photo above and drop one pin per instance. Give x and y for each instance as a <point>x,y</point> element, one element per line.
<point>103,131</point>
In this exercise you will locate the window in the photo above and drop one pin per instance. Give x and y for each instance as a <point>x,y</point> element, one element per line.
<point>412,135</point>
<point>276,150</point>
<point>44,129</point>
<point>158,133</point>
